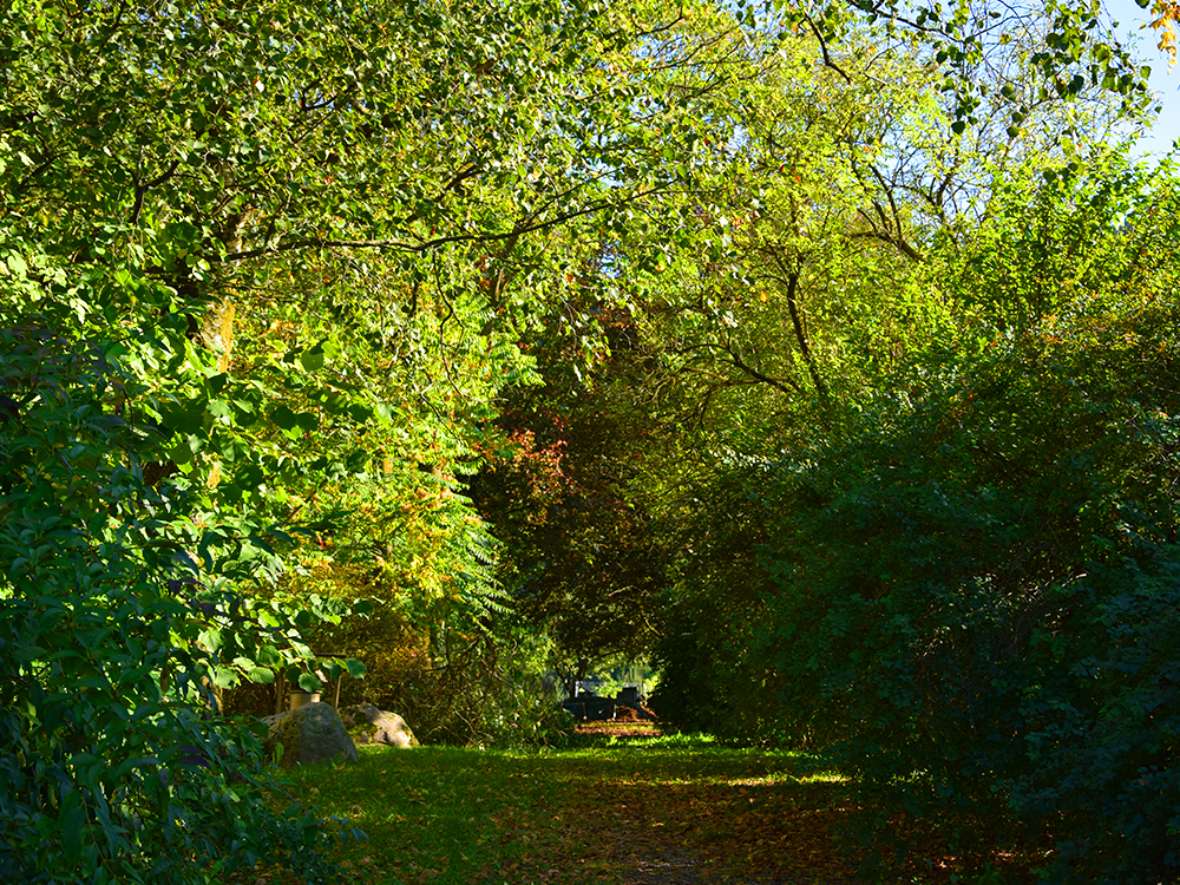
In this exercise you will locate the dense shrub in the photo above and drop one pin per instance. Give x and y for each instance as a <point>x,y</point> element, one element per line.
<point>463,681</point>
<point>114,764</point>
<point>968,585</point>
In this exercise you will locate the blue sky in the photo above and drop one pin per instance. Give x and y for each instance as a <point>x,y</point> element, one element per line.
<point>1164,82</point>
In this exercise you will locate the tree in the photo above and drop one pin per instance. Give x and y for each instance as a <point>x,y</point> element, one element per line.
<point>261,266</point>
<point>580,563</point>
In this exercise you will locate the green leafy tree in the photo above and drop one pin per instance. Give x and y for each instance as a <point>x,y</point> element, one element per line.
<point>261,270</point>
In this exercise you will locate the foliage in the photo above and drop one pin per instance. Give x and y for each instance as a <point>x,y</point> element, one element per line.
<point>457,682</point>
<point>262,269</point>
<point>829,349</point>
<point>969,41</point>
<point>582,565</point>
<point>114,639</point>
<point>966,572</point>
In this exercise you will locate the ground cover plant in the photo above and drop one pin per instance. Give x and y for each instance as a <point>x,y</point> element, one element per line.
<point>632,810</point>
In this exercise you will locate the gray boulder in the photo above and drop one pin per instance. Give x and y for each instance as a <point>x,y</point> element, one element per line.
<point>369,725</point>
<point>311,733</point>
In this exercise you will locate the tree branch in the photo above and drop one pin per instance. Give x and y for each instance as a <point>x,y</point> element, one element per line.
<point>427,245</point>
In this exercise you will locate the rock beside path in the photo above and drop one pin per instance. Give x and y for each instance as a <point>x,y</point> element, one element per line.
<point>370,725</point>
<point>311,733</point>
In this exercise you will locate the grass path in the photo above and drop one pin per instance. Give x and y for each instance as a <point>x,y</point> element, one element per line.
<point>651,810</point>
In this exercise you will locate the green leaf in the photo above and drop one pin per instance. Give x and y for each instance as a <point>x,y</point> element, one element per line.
<point>224,677</point>
<point>309,682</point>
<point>71,825</point>
<point>313,358</point>
<point>211,639</point>
<point>267,618</point>
<point>181,452</point>
<point>294,422</point>
<point>185,416</point>
<point>307,421</point>
<point>16,264</point>
<point>283,417</point>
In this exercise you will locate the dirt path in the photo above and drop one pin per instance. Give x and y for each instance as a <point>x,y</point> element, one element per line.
<point>641,812</point>
<point>645,815</point>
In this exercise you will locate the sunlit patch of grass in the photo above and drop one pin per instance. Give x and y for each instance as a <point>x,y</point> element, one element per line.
<point>823,777</point>
<point>449,814</point>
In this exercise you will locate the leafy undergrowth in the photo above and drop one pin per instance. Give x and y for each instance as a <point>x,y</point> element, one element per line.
<point>640,810</point>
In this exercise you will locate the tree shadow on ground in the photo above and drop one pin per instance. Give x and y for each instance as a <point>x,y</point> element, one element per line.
<point>621,814</point>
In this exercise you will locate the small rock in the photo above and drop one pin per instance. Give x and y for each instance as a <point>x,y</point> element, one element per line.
<point>369,725</point>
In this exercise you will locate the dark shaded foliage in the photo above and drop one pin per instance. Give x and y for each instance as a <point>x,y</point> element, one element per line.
<point>968,592</point>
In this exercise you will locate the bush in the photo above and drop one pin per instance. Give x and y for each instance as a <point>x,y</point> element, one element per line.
<point>468,681</point>
<point>967,583</point>
<point>114,765</point>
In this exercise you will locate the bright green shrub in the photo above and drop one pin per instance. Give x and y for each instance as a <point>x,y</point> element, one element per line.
<point>244,291</point>
<point>113,635</point>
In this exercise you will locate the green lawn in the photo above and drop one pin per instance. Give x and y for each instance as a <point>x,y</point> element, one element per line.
<point>670,810</point>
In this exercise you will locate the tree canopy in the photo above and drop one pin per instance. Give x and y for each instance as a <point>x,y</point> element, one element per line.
<point>825,353</point>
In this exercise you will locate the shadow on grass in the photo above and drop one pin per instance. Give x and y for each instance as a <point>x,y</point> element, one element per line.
<point>671,809</point>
